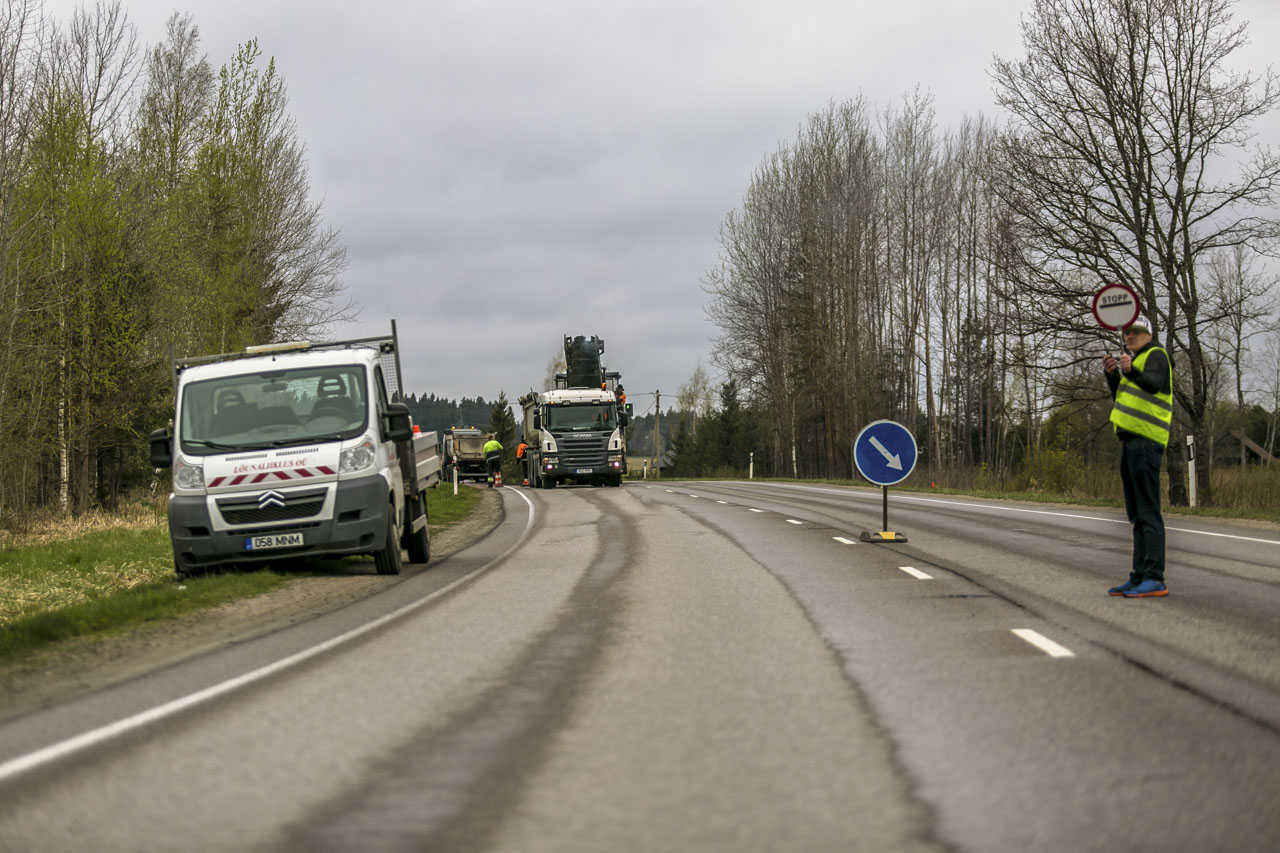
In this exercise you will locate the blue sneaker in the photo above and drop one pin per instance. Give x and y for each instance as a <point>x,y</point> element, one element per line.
<point>1147,589</point>
<point>1122,589</point>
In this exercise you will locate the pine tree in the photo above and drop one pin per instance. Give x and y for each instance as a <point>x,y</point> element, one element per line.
<point>502,424</point>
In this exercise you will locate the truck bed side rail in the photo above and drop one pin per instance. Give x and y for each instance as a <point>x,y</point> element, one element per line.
<point>426,458</point>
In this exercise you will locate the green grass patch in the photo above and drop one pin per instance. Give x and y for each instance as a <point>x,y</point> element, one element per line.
<point>82,570</point>
<point>105,581</point>
<point>113,613</point>
<point>445,509</point>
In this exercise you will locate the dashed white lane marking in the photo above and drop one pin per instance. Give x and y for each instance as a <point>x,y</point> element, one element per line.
<point>722,502</point>
<point>693,496</point>
<point>1044,644</point>
<point>753,509</point>
<point>669,491</point>
<point>916,573</point>
<point>842,539</point>
<point>793,521</point>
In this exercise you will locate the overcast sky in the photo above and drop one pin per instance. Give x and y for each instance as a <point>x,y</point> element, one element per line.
<point>504,172</point>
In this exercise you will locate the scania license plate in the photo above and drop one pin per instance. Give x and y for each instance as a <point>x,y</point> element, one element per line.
<point>583,471</point>
<point>277,540</point>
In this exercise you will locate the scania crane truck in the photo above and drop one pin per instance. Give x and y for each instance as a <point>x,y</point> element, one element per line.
<point>576,431</point>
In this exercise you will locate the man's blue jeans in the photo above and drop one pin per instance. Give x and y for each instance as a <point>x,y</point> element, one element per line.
<point>1140,460</point>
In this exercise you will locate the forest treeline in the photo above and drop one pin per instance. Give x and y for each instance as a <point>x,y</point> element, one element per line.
<point>882,267</point>
<point>149,203</point>
<point>437,414</point>
<point>878,266</point>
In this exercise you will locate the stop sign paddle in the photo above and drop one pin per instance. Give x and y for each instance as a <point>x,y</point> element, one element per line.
<point>1115,306</point>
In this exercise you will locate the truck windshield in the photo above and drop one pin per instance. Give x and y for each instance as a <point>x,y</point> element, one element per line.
<point>581,417</point>
<point>274,407</point>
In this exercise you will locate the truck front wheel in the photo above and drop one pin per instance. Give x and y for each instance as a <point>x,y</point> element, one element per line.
<point>387,561</point>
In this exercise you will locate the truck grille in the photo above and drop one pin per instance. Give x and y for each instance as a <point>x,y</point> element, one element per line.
<point>583,451</point>
<point>246,509</point>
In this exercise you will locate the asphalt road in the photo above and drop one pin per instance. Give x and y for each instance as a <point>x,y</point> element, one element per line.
<point>711,666</point>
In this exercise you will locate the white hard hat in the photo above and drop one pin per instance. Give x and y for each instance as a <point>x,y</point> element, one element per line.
<point>1140,324</point>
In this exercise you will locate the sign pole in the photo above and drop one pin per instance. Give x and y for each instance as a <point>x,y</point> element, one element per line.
<point>1191,467</point>
<point>885,454</point>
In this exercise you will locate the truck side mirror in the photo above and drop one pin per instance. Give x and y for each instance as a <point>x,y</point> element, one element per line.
<point>537,420</point>
<point>624,418</point>
<point>397,424</point>
<point>161,448</point>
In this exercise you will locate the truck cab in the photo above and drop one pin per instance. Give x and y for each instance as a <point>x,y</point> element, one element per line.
<point>578,437</point>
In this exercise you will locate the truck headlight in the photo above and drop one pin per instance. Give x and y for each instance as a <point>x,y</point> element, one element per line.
<point>187,475</point>
<point>357,458</point>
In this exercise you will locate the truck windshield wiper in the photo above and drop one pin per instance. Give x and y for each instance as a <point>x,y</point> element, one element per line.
<point>215,445</point>
<point>289,442</point>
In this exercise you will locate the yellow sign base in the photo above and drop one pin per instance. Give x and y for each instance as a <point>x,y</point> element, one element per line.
<point>882,536</point>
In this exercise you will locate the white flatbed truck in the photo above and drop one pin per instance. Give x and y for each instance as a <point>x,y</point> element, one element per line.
<point>293,451</point>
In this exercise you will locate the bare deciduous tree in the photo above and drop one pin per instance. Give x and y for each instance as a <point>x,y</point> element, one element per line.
<point>1242,297</point>
<point>1127,117</point>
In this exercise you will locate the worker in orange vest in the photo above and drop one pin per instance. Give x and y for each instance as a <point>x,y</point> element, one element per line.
<point>520,457</point>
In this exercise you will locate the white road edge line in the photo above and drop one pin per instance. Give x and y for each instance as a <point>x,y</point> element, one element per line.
<point>1044,644</point>
<point>842,539</point>
<point>916,573</point>
<point>793,521</point>
<point>30,761</point>
<point>911,499</point>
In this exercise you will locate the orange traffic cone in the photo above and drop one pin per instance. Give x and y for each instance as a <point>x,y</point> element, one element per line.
<point>497,479</point>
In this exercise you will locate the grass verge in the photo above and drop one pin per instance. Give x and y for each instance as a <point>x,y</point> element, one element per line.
<point>106,581</point>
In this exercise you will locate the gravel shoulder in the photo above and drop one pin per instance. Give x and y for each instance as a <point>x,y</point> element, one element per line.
<point>81,666</point>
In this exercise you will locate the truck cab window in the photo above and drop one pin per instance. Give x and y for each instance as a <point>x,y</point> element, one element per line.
<point>589,417</point>
<point>264,409</point>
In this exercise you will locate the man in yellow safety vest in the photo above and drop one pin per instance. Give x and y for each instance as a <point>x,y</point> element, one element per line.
<point>492,459</point>
<point>1141,383</point>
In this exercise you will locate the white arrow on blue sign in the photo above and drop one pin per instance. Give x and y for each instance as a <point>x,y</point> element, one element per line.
<point>885,452</point>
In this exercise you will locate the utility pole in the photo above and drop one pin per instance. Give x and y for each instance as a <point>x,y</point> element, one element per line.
<point>657,432</point>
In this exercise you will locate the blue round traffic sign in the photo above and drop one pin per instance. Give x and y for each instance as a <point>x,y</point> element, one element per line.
<point>885,452</point>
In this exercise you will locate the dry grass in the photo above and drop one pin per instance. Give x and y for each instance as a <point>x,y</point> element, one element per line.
<point>46,526</point>
<point>66,570</point>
